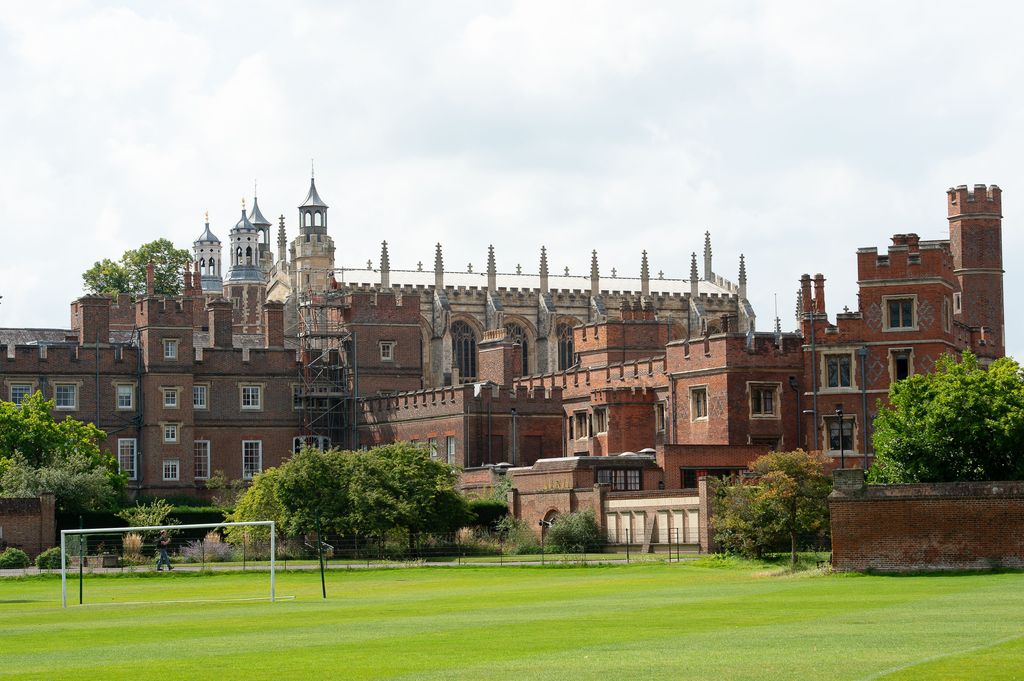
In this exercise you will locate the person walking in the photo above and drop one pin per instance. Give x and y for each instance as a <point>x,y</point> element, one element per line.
<point>162,542</point>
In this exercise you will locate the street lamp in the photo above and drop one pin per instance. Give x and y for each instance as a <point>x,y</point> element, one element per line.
<point>839,417</point>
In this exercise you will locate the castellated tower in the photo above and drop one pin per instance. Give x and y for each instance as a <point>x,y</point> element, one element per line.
<point>976,243</point>
<point>246,284</point>
<point>312,251</point>
<point>206,253</point>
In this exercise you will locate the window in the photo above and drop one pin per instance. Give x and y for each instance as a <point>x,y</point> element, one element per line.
<point>65,396</point>
<point>464,349</point>
<point>387,351</point>
<point>201,459</point>
<point>566,347</point>
<point>125,396</point>
<point>832,423</point>
<point>296,397</point>
<point>200,395</point>
<point>170,348</point>
<point>581,425</point>
<point>20,392</point>
<point>691,475</point>
<point>252,458</point>
<point>947,315</point>
<point>698,403</point>
<point>449,444</point>
<point>762,400</point>
<point>659,417</point>
<point>170,398</point>
<point>170,432</point>
<point>957,303</point>
<point>321,442</point>
<point>900,313</point>
<point>251,397</point>
<point>901,364</point>
<point>171,469</point>
<point>127,457</point>
<point>837,371</point>
<point>432,447</point>
<point>621,480</point>
<point>600,420</point>
<point>518,337</point>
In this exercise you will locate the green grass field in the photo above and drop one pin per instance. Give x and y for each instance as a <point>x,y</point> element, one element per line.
<point>696,620</point>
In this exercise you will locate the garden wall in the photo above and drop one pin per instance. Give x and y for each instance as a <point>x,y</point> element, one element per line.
<point>27,523</point>
<point>925,527</point>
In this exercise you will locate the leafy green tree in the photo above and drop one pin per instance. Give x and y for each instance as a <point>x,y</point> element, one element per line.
<point>40,454</point>
<point>786,497</point>
<point>960,422</point>
<point>315,483</point>
<point>259,502</point>
<point>128,275</point>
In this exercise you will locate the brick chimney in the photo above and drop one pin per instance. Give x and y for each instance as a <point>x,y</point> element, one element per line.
<point>273,324</point>
<point>220,322</point>
<point>94,320</point>
<point>500,359</point>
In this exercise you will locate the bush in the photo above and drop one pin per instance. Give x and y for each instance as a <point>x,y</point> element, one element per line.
<point>14,558</point>
<point>211,549</point>
<point>49,559</point>
<point>131,549</point>
<point>573,532</point>
<point>487,512</point>
<point>516,536</point>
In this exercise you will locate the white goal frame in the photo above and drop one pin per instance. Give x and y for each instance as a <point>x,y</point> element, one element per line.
<point>122,530</point>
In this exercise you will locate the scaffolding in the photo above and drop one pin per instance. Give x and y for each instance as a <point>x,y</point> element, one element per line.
<point>328,378</point>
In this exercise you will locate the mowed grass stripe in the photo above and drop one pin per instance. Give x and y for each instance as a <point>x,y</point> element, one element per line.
<point>654,621</point>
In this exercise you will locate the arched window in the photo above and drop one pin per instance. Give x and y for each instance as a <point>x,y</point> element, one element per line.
<point>213,268</point>
<point>317,219</point>
<point>518,336</point>
<point>202,265</point>
<point>566,349</point>
<point>248,255</point>
<point>309,219</point>
<point>464,349</point>
<point>238,256</point>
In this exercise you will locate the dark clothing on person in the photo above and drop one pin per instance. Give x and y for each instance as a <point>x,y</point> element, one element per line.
<point>162,543</point>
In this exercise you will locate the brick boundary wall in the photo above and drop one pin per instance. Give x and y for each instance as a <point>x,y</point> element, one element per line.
<point>925,527</point>
<point>28,523</point>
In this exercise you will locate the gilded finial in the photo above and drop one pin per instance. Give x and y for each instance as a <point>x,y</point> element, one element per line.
<point>243,203</point>
<point>206,216</point>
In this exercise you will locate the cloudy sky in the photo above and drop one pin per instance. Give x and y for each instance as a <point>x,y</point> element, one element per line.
<point>794,132</point>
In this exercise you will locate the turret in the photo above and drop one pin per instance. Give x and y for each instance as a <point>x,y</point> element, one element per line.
<point>244,242</point>
<point>313,212</point>
<point>206,252</point>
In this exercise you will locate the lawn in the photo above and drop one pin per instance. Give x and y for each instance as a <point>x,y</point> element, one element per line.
<point>696,620</point>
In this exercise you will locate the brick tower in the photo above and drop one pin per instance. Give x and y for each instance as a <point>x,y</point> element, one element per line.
<point>976,242</point>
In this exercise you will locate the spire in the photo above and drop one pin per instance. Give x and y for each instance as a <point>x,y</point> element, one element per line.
<point>207,235</point>
<point>438,268</point>
<point>645,275</point>
<point>544,270</point>
<point>693,275</point>
<point>313,199</point>
<point>708,276</point>
<point>492,272</point>
<point>385,266</point>
<point>282,240</point>
<point>743,278</point>
<point>256,217</point>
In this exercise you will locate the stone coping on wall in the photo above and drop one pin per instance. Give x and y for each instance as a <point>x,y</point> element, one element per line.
<point>850,485</point>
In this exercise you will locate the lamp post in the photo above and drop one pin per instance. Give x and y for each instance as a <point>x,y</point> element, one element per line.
<point>544,524</point>
<point>839,417</point>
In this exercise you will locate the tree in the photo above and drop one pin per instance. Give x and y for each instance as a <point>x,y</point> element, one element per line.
<point>786,498</point>
<point>128,275</point>
<point>259,502</point>
<point>39,454</point>
<point>960,422</point>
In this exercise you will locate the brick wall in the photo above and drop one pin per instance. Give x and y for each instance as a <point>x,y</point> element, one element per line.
<point>940,526</point>
<point>28,524</point>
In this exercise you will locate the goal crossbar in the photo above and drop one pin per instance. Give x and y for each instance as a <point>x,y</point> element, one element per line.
<point>64,534</point>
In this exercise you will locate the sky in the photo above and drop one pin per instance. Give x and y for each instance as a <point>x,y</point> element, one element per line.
<point>793,132</point>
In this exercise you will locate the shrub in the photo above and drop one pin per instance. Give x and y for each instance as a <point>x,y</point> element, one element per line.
<point>572,532</point>
<point>131,545</point>
<point>487,512</point>
<point>14,558</point>
<point>516,536</point>
<point>211,549</point>
<point>49,559</point>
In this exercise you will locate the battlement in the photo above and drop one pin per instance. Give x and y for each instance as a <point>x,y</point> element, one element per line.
<point>499,397</point>
<point>907,258</point>
<point>964,200</point>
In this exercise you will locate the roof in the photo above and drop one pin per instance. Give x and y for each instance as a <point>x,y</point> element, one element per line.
<point>207,235</point>
<point>244,223</point>
<point>425,278</point>
<point>256,217</point>
<point>313,199</point>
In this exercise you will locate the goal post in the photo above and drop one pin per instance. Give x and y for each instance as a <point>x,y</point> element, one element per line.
<point>64,534</point>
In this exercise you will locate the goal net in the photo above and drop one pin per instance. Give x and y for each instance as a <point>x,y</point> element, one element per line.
<point>185,547</point>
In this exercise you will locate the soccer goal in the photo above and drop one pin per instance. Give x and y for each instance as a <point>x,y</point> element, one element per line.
<point>80,540</point>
